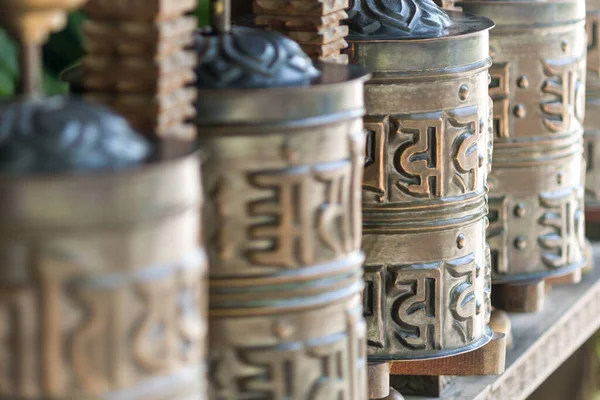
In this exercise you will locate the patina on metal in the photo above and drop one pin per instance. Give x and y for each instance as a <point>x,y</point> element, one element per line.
<point>282,182</point>
<point>59,134</point>
<point>428,152</point>
<point>397,18</point>
<point>102,284</point>
<point>537,83</point>
<point>592,118</point>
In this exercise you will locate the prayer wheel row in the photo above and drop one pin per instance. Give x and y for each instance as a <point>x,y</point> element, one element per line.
<point>102,273</point>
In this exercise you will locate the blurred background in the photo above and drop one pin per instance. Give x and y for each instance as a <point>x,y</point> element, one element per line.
<point>65,49</point>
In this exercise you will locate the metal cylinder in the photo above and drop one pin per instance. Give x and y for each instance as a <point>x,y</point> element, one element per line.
<point>424,195</point>
<point>102,284</point>
<point>592,107</point>
<point>282,182</point>
<point>536,185</point>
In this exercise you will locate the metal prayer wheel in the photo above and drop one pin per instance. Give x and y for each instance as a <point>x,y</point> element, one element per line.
<point>536,186</point>
<point>102,284</point>
<point>428,153</point>
<point>282,169</point>
<point>592,106</point>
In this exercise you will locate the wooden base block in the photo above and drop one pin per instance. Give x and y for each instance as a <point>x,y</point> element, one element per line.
<point>530,296</point>
<point>420,385</point>
<point>500,322</point>
<point>487,360</point>
<point>522,297</point>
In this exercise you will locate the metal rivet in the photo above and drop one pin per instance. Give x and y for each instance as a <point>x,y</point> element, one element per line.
<point>520,111</point>
<point>282,329</point>
<point>463,92</point>
<point>559,178</point>
<point>523,82</point>
<point>520,242</point>
<point>564,45</point>
<point>520,210</point>
<point>461,241</point>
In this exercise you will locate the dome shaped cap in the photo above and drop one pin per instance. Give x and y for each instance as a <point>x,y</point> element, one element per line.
<point>60,134</point>
<point>247,58</point>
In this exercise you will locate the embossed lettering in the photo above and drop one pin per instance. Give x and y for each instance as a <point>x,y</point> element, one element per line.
<point>417,306</point>
<point>419,160</point>
<point>375,144</point>
<point>564,215</point>
<point>497,234</point>
<point>297,225</point>
<point>564,83</point>
<point>499,92</point>
<point>463,302</point>
<point>424,144</point>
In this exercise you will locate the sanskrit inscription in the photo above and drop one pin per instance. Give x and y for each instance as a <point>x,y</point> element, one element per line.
<point>318,369</point>
<point>499,92</point>
<point>438,154</point>
<point>306,208</point>
<point>564,84</point>
<point>108,347</point>
<point>563,242</point>
<point>497,234</point>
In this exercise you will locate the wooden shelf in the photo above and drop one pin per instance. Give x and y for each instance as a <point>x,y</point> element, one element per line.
<point>542,342</point>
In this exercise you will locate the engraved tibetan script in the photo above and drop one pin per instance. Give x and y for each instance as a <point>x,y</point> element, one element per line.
<point>499,92</point>
<point>416,310</point>
<point>564,244</point>
<point>593,51</point>
<point>106,348</point>
<point>309,206</point>
<point>437,154</point>
<point>564,82</point>
<point>463,302</point>
<point>375,145</point>
<point>316,371</point>
<point>497,234</point>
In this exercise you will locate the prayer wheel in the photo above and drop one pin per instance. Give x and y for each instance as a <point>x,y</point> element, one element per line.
<point>592,117</point>
<point>101,278</point>
<point>536,231</point>
<point>428,153</point>
<point>283,158</point>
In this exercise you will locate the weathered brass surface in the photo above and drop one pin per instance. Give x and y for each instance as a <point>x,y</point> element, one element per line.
<point>102,289</point>
<point>282,182</point>
<point>428,153</point>
<point>139,63</point>
<point>536,186</point>
<point>592,107</point>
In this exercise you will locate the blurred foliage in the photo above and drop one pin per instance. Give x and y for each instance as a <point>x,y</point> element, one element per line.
<point>63,49</point>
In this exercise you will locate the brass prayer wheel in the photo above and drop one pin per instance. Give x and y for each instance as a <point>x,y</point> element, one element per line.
<point>283,160</point>
<point>428,152</point>
<point>538,49</point>
<point>102,284</point>
<point>592,107</point>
